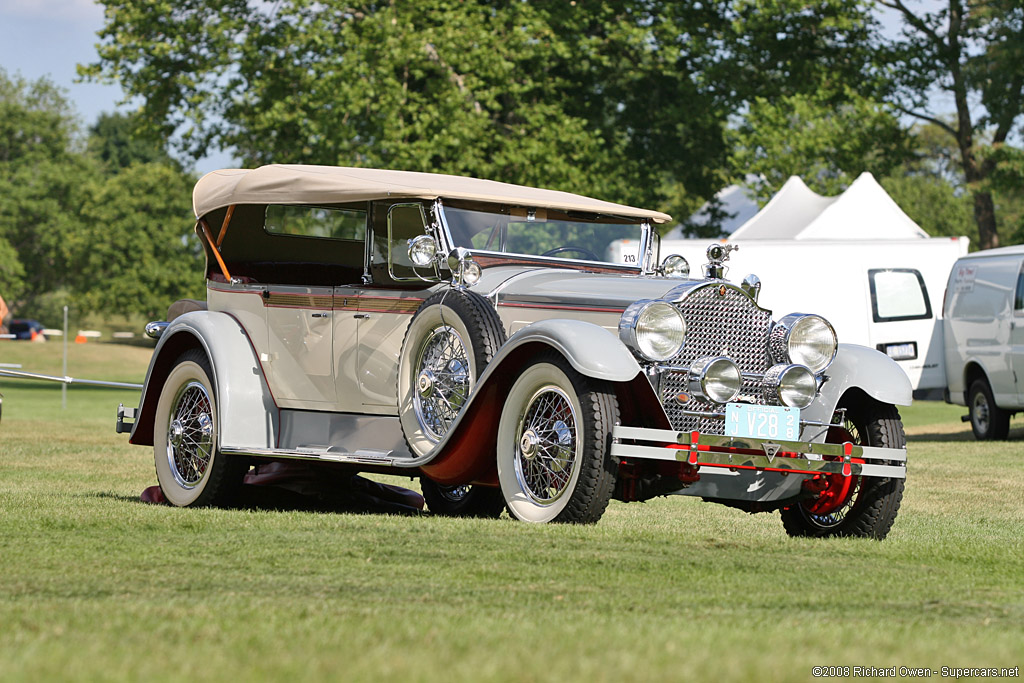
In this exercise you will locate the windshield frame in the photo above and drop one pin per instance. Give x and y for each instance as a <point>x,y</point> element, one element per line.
<point>644,267</point>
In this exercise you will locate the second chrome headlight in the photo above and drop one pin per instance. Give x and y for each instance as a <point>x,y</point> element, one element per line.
<point>790,385</point>
<point>654,330</point>
<point>715,379</point>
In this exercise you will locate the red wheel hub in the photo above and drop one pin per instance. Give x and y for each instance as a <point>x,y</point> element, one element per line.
<point>834,490</point>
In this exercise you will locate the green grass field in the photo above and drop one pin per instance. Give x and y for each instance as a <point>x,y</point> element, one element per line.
<point>96,585</point>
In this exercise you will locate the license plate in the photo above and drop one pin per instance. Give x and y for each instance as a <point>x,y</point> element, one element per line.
<point>904,351</point>
<point>762,422</point>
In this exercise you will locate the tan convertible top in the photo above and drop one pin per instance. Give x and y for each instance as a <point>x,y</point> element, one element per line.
<point>297,184</point>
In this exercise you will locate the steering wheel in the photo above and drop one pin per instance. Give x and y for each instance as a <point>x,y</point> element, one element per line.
<point>591,256</point>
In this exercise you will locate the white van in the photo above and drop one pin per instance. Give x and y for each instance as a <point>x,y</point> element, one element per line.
<point>883,294</point>
<point>984,338</point>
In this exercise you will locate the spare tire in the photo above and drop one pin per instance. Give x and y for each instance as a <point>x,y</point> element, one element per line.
<point>451,339</point>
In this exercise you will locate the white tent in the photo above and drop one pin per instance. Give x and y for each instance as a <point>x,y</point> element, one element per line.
<point>865,211</point>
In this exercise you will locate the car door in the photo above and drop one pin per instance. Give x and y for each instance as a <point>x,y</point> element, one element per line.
<point>388,303</point>
<point>299,322</point>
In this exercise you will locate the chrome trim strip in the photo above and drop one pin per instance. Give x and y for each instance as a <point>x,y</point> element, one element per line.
<point>718,440</point>
<point>757,462</point>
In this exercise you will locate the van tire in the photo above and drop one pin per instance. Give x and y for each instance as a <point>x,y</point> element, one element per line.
<point>988,421</point>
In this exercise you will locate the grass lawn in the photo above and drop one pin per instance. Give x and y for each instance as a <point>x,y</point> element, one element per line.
<point>96,585</point>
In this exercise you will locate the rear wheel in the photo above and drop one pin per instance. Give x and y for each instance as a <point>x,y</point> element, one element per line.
<point>554,441</point>
<point>467,500</point>
<point>854,506</point>
<point>189,467</point>
<point>988,421</point>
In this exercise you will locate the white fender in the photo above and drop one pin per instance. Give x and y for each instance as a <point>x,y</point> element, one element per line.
<point>590,349</point>
<point>247,414</point>
<point>869,370</point>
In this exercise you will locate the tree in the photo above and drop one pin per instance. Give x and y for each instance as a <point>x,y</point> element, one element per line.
<point>971,52</point>
<point>119,140</point>
<point>826,140</point>
<point>134,251</point>
<point>41,174</point>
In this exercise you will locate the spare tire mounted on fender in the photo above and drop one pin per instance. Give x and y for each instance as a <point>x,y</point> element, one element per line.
<point>450,340</point>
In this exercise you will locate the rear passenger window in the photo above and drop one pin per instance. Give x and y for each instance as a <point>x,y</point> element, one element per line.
<point>898,294</point>
<point>316,221</point>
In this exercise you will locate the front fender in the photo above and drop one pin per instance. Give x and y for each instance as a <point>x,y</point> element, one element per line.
<point>590,349</point>
<point>467,451</point>
<point>247,414</point>
<point>859,367</point>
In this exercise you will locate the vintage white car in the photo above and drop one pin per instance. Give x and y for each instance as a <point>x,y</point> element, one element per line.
<point>470,333</point>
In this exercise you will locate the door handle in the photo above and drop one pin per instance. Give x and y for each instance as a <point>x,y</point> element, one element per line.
<point>321,315</point>
<point>361,316</point>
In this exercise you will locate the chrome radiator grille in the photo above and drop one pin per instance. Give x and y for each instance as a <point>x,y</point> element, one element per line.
<point>717,325</point>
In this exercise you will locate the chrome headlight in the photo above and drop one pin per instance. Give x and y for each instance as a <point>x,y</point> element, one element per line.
<point>715,379</point>
<point>805,340</point>
<point>791,385</point>
<point>654,330</point>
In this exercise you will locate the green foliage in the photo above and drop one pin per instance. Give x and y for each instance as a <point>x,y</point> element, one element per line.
<point>119,140</point>
<point>134,252</point>
<point>826,139</point>
<point>970,52</point>
<point>933,204</point>
<point>75,230</point>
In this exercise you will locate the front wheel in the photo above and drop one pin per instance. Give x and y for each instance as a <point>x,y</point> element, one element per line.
<point>854,506</point>
<point>554,443</point>
<point>189,467</point>
<point>988,421</point>
<point>467,500</point>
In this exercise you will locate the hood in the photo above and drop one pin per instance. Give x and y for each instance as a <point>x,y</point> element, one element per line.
<point>570,288</point>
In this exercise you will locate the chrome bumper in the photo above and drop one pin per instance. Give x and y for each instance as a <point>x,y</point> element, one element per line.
<point>760,455</point>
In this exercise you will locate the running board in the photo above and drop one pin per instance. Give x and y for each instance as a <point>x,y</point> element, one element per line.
<point>361,457</point>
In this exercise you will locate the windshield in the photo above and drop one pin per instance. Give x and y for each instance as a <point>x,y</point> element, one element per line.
<point>545,232</point>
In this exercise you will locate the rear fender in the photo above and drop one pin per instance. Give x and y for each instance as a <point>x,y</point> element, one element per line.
<point>247,414</point>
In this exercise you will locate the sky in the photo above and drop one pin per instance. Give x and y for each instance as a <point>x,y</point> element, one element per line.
<point>48,38</point>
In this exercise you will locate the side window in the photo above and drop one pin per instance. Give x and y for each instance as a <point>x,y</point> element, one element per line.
<point>316,221</point>
<point>404,222</point>
<point>898,294</point>
<point>1018,296</point>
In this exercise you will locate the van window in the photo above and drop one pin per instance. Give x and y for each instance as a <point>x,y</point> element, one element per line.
<point>898,294</point>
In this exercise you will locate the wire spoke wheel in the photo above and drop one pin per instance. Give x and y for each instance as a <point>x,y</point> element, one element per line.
<point>855,505</point>
<point>553,448</point>
<point>450,341</point>
<point>189,467</point>
<point>546,445</point>
<point>443,380</point>
<point>190,435</point>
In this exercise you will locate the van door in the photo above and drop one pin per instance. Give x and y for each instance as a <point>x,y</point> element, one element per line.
<point>904,327</point>
<point>1017,337</point>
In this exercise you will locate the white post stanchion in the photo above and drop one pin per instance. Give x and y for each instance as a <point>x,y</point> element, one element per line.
<point>64,387</point>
